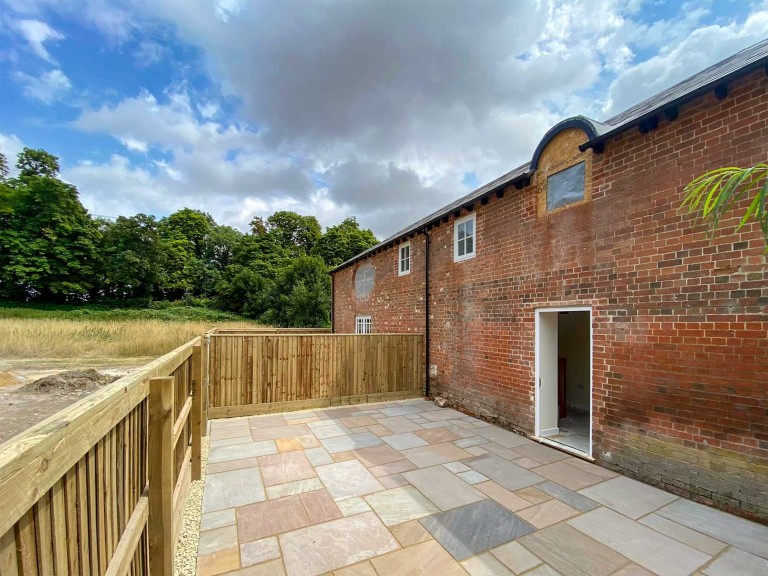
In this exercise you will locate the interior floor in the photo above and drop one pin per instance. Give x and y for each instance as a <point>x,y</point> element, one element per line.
<point>574,430</point>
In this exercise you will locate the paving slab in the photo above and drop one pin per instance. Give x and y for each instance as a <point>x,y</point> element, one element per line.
<point>573,553</point>
<point>443,414</point>
<point>393,481</point>
<point>273,433</point>
<point>404,441</point>
<point>328,429</point>
<point>442,487</point>
<point>259,551</point>
<point>569,476</point>
<point>378,455</point>
<point>285,467</point>
<point>630,497</point>
<point>360,569</point>
<point>218,562</point>
<point>485,564</point>
<point>435,454</point>
<point>472,477</point>
<point>217,519</point>
<point>516,557</point>
<point>425,558</point>
<point>437,435</point>
<point>457,529</point>
<point>257,521</point>
<point>503,472</point>
<point>318,456</point>
<point>505,497</point>
<point>735,562</point>
<point>348,479</point>
<point>541,453</point>
<point>352,506</point>
<point>736,531</point>
<point>399,424</point>
<point>393,468</point>
<point>297,443</point>
<point>573,499</point>
<point>318,549</point>
<point>401,505</point>
<point>547,513</point>
<point>400,410</point>
<point>241,451</point>
<point>231,489</point>
<point>650,549</point>
<point>535,495</point>
<point>684,534</point>
<point>217,539</point>
<point>292,488</point>
<point>320,506</point>
<point>410,533</point>
<point>503,437</point>
<point>351,442</point>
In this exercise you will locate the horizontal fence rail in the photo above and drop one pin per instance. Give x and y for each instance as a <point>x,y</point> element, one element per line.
<point>260,373</point>
<point>98,488</point>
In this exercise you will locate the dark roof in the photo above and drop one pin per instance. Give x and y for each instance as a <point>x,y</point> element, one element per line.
<point>715,76</point>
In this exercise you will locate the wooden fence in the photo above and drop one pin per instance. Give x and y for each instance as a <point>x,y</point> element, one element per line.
<point>99,488</point>
<point>259,373</point>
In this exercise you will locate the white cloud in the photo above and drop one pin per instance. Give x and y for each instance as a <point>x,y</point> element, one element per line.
<point>208,110</point>
<point>37,33</point>
<point>678,60</point>
<point>10,146</point>
<point>148,53</point>
<point>133,144</point>
<point>47,88</point>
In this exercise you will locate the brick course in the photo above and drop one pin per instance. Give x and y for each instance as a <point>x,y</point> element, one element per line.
<point>680,322</point>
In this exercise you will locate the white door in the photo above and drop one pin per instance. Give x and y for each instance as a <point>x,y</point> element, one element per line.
<point>546,369</point>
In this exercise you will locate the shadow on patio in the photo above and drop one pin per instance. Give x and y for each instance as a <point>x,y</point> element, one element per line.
<point>409,488</point>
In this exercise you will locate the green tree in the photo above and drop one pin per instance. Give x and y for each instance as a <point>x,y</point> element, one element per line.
<point>712,195</point>
<point>343,241</point>
<point>290,230</point>
<point>301,295</point>
<point>133,257</point>
<point>48,239</point>
<point>244,291</point>
<point>188,224</point>
<point>4,171</point>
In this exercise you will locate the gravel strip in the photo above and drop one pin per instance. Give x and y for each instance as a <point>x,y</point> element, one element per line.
<point>185,562</point>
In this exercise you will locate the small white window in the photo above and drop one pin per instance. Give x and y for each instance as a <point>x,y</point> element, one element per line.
<point>404,266</point>
<point>464,238</point>
<point>362,325</point>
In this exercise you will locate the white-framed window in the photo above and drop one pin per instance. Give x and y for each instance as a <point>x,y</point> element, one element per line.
<point>464,236</point>
<point>363,325</point>
<point>404,259</point>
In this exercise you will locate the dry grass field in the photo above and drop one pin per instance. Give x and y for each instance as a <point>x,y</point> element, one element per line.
<point>63,338</point>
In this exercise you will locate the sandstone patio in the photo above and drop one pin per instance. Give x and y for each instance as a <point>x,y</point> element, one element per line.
<point>410,488</point>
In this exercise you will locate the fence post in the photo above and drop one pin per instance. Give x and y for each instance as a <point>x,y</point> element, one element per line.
<point>197,412</point>
<point>160,468</point>
<point>206,375</point>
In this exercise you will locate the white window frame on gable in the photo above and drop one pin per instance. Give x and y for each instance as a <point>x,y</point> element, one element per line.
<point>404,260</point>
<point>461,238</point>
<point>363,325</point>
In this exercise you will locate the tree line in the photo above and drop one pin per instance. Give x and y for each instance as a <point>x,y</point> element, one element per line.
<point>53,251</point>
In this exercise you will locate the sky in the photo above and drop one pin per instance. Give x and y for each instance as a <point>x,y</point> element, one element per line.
<point>382,110</point>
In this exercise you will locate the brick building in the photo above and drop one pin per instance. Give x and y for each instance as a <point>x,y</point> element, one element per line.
<point>573,301</point>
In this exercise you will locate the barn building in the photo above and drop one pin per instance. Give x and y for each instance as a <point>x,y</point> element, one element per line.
<point>572,299</point>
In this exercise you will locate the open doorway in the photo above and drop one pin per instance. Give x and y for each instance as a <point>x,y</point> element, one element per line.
<point>564,377</point>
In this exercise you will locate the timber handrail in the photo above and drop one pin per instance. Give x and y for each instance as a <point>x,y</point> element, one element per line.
<point>82,490</point>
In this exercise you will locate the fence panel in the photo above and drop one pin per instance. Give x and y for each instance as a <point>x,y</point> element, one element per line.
<point>257,373</point>
<point>74,488</point>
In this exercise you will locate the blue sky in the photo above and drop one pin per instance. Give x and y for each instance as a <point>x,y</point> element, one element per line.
<point>381,110</point>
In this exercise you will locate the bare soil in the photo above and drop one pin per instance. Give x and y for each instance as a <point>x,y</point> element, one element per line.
<point>33,390</point>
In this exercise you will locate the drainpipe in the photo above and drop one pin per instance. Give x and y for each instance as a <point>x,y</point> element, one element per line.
<point>426,308</point>
<point>333,301</point>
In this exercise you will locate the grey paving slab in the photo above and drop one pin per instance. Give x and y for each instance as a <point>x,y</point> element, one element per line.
<point>630,497</point>
<point>444,488</point>
<point>736,531</point>
<point>541,453</point>
<point>329,429</point>
<point>217,519</point>
<point>650,549</point>
<point>457,529</point>
<point>404,441</point>
<point>348,479</point>
<point>485,564</point>
<point>684,534</point>
<point>318,456</point>
<point>503,472</point>
<point>735,562</point>
<point>217,539</point>
<point>471,441</point>
<point>443,414</point>
<point>516,557</point>
<point>503,437</point>
<point>240,451</point>
<point>472,477</point>
<point>573,499</point>
<point>399,424</point>
<point>400,410</point>
<point>573,553</point>
<point>232,489</point>
<point>350,442</point>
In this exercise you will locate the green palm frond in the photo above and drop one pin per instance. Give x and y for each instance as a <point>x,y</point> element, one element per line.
<point>713,194</point>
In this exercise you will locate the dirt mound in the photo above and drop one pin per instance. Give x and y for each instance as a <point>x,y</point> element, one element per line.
<point>72,381</point>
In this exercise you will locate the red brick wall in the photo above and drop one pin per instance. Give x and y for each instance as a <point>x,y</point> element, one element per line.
<point>680,352</point>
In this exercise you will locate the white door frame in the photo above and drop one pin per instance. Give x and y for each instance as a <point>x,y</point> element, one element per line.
<point>537,335</point>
